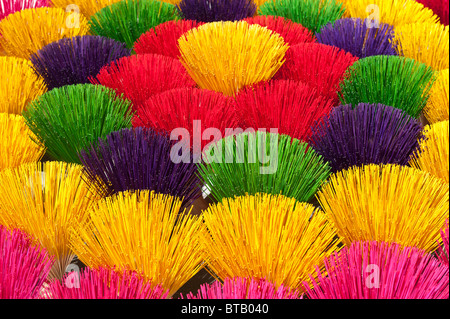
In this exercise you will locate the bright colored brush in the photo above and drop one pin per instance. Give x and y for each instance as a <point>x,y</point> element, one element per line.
<point>24,267</point>
<point>358,38</point>
<point>390,80</point>
<point>142,232</point>
<point>70,118</point>
<point>46,200</point>
<point>163,39</point>
<point>312,14</point>
<point>424,42</point>
<point>243,288</point>
<point>393,12</point>
<point>104,283</point>
<point>27,31</point>
<point>443,251</point>
<point>439,7</point>
<point>19,85</point>
<point>437,108</point>
<point>138,77</point>
<point>389,203</point>
<point>126,20</point>
<point>433,156</point>
<point>139,159</point>
<point>16,145</point>
<point>377,270</point>
<point>86,7</point>
<point>265,162</point>
<point>11,6</point>
<point>266,236</point>
<point>318,65</point>
<point>226,56</point>
<point>366,134</point>
<point>216,10</point>
<point>292,33</point>
<point>191,109</point>
<point>74,60</point>
<point>290,106</point>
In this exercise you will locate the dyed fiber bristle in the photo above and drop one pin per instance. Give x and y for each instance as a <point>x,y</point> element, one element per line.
<point>424,42</point>
<point>104,283</point>
<point>312,14</point>
<point>27,31</point>
<point>292,33</point>
<point>389,203</point>
<point>70,118</point>
<point>260,162</point>
<point>139,159</point>
<point>191,109</point>
<point>126,20</point>
<point>163,39</point>
<point>433,156</point>
<point>318,65</point>
<point>439,7</point>
<point>378,270</point>
<point>226,56</point>
<point>390,80</point>
<point>142,232</point>
<point>74,60</point>
<point>216,10</point>
<point>11,6</point>
<point>393,12</point>
<point>366,134</point>
<point>19,85</point>
<point>138,77</point>
<point>243,288</point>
<point>290,106</point>
<point>355,36</point>
<point>266,236</point>
<point>86,7</point>
<point>46,200</point>
<point>16,145</point>
<point>24,267</point>
<point>443,251</point>
<point>437,108</point>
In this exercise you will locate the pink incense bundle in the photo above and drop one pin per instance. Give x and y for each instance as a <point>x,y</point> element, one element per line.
<point>163,39</point>
<point>292,33</point>
<point>443,252</point>
<point>190,108</point>
<point>24,267</point>
<point>140,76</point>
<point>243,288</point>
<point>104,284</point>
<point>292,107</point>
<point>319,65</point>
<point>377,270</point>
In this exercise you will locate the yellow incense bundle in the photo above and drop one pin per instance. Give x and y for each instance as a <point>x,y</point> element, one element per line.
<point>437,108</point>
<point>266,236</point>
<point>142,231</point>
<point>226,56</point>
<point>19,84</point>
<point>47,201</point>
<point>16,144</point>
<point>434,154</point>
<point>388,203</point>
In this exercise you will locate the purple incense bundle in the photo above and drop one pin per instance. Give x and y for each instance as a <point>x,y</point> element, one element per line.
<point>378,270</point>
<point>24,267</point>
<point>216,10</point>
<point>74,60</point>
<point>243,288</point>
<point>366,134</point>
<point>140,159</point>
<point>360,37</point>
